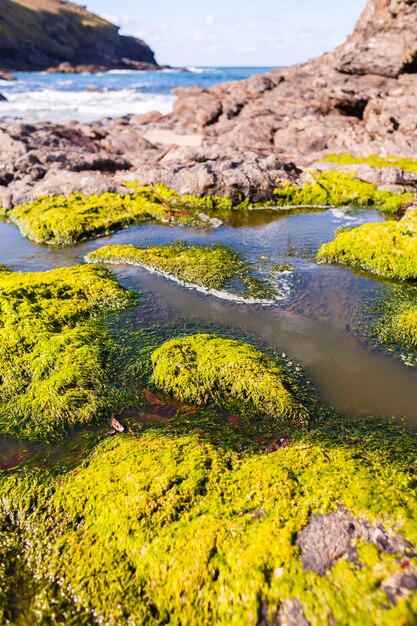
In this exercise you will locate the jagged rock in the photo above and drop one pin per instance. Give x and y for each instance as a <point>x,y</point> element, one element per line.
<point>362,96</point>
<point>211,171</point>
<point>384,41</point>
<point>3,98</point>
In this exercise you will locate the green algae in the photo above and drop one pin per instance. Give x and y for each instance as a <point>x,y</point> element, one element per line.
<point>163,528</point>
<point>207,369</point>
<point>406,164</point>
<point>338,189</point>
<point>64,220</point>
<point>208,267</point>
<point>385,249</point>
<point>396,324</point>
<point>54,353</point>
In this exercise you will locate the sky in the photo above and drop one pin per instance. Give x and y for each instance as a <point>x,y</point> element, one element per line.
<point>234,32</point>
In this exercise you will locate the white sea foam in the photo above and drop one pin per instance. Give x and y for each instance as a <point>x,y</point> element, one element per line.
<point>223,295</point>
<point>341,214</point>
<point>87,106</point>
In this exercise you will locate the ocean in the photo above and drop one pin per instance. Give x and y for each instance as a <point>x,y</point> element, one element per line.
<point>39,96</point>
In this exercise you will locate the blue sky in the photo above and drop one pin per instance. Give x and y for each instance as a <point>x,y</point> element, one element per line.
<point>234,32</point>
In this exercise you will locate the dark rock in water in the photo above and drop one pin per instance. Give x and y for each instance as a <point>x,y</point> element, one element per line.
<point>44,34</point>
<point>67,68</point>
<point>3,98</point>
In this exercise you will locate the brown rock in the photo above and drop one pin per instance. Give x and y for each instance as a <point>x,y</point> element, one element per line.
<point>7,76</point>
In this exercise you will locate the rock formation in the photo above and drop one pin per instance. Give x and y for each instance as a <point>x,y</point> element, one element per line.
<point>360,98</point>
<point>39,34</point>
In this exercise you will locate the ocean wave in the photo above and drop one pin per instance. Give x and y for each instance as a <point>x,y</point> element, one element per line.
<point>86,106</point>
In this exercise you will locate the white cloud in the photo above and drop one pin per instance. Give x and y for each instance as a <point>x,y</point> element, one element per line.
<point>209,19</point>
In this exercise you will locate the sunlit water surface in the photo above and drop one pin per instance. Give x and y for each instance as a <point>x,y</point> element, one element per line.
<point>317,320</point>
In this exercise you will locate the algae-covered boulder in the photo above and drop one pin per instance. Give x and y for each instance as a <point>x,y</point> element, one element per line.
<point>210,268</point>
<point>337,189</point>
<point>163,528</point>
<point>386,249</point>
<point>207,369</point>
<point>54,363</point>
<point>63,220</point>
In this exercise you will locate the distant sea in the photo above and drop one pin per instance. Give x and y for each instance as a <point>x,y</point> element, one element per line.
<point>88,97</point>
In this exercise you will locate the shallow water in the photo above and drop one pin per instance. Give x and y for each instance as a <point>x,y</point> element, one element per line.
<point>315,322</point>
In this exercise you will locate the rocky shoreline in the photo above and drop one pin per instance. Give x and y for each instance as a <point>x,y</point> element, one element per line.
<point>238,139</point>
<point>229,491</point>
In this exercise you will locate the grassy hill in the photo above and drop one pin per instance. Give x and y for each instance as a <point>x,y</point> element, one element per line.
<point>39,34</point>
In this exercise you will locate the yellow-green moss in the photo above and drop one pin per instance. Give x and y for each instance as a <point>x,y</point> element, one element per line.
<point>386,249</point>
<point>374,160</point>
<point>339,189</point>
<point>54,364</point>
<point>207,369</point>
<point>171,529</point>
<point>210,267</point>
<point>61,220</point>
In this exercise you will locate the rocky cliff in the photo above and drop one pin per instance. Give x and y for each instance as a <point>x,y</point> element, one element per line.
<point>42,34</point>
<point>359,98</point>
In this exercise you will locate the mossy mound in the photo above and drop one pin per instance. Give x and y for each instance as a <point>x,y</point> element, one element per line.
<point>207,369</point>
<point>162,529</point>
<point>385,249</point>
<point>54,364</point>
<point>406,164</point>
<point>211,268</point>
<point>63,220</point>
<point>335,189</point>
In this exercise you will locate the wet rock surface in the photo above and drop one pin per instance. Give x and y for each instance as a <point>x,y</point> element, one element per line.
<point>328,538</point>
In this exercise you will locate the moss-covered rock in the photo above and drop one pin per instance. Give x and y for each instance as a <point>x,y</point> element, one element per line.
<point>62,220</point>
<point>163,528</point>
<point>207,369</point>
<point>385,249</point>
<point>54,365</point>
<point>210,267</point>
<point>340,189</point>
<point>374,160</point>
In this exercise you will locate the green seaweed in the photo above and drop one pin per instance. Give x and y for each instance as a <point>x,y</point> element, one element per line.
<point>163,528</point>
<point>207,369</point>
<point>64,220</point>
<point>340,189</point>
<point>407,164</point>
<point>210,267</point>
<point>55,369</point>
<point>386,249</point>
